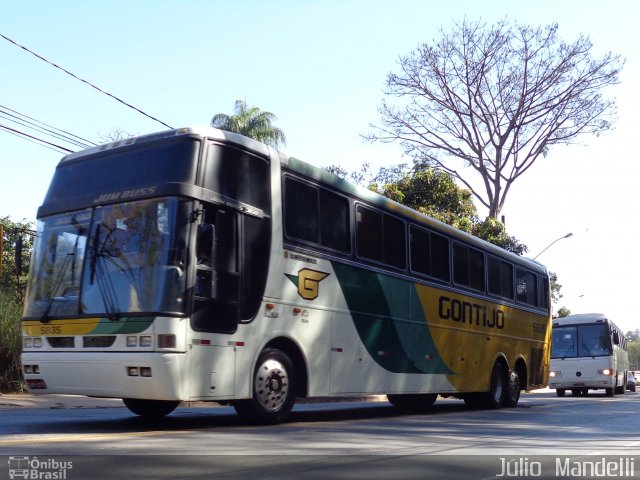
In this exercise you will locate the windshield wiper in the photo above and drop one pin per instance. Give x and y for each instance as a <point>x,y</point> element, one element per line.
<point>105,284</point>
<point>44,318</point>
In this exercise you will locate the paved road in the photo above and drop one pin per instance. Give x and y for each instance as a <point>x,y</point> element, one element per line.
<point>328,440</point>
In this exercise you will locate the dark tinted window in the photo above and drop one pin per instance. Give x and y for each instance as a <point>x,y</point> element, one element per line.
<point>468,267</point>
<point>543,296</point>
<point>238,175</point>
<point>429,253</point>
<point>369,233</point>
<point>301,211</point>
<point>440,257</point>
<point>380,237</point>
<point>316,215</point>
<point>334,221</point>
<point>104,173</point>
<point>395,243</point>
<point>526,287</point>
<point>420,251</point>
<point>500,277</point>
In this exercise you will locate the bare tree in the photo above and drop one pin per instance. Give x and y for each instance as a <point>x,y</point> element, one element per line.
<point>495,98</point>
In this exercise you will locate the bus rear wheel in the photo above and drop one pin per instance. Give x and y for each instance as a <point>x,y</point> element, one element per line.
<point>412,401</point>
<point>512,394</point>
<point>150,408</point>
<point>274,391</point>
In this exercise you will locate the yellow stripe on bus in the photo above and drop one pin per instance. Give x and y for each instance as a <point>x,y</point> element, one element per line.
<point>60,327</point>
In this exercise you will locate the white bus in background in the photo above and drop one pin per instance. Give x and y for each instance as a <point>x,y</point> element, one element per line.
<point>588,352</point>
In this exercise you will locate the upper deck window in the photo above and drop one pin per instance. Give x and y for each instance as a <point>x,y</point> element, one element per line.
<point>237,174</point>
<point>84,181</point>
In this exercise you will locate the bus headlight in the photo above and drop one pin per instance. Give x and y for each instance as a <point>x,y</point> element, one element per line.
<point>556,374</point>
<point>605,371</point>
<point>33,342</point>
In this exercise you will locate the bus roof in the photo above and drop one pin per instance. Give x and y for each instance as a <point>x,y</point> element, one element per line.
<point>314,173</point>
<point>205,132</point>
<point>581,318</point>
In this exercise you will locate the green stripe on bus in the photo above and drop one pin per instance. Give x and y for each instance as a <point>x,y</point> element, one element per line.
<point>124,325</point>
<point>389,320</point>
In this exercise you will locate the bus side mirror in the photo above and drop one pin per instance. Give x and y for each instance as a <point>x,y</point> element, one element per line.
<point>616,338</point>
<point>206,243</point>
<point>18,257</point>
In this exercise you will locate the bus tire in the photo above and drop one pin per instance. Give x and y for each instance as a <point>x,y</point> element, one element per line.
<point>412,401</point>
<point>150,408</point>
<point>512,393</point>
<point>609,392</point>
<point>495,396</point>
<point>560,392</point>
<point>273,389</point>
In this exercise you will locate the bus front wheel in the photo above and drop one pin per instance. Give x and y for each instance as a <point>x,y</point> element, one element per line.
<point>274,390</point>
<point>150,408</point>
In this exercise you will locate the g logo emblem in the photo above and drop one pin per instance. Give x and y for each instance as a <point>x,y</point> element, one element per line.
<point>308,282</point>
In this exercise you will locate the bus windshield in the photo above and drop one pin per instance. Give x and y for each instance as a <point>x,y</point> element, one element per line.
<point>126,258</point>
<point>581,341</point>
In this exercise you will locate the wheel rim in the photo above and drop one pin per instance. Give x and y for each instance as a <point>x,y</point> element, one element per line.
<point>272,385</point>
<point>514,385</point>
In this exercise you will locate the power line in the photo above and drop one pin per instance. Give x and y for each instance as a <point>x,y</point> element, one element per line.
<point>31,138</point>
<point>82,80</point>
<point>30,122</point>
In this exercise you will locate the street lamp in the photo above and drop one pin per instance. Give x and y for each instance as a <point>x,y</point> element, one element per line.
<point>556,240</point>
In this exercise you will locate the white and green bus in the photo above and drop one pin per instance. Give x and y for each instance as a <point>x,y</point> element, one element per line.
<point>196,264</point>
<point>588,352</point>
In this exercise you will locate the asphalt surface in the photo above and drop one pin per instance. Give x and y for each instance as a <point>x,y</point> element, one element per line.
<point>51,401</point>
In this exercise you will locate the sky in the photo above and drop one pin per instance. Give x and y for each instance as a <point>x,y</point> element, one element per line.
<point>320,67</point>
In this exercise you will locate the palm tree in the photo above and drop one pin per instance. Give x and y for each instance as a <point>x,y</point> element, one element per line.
<point>250,122</point>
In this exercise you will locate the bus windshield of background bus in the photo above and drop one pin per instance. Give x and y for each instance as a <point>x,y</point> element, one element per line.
<point>111,260</point>
<point>581,341</point>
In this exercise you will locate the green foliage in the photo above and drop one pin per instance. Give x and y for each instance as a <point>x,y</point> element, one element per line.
<point>250,122</point>
<point>12,292</point>
<point>434,193</point>
<point>10,344</point>
<point>634,354</point>
<point>555,287</point>
<point>12,283</point>
<point>493,231</point>
<point>633,335</point>
<point>563,312</point>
